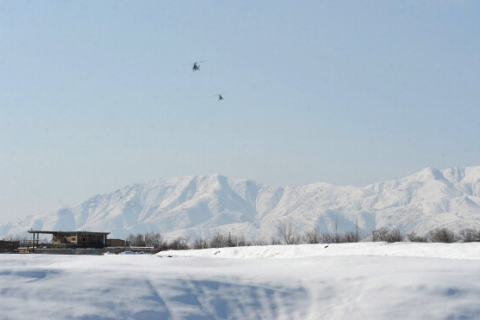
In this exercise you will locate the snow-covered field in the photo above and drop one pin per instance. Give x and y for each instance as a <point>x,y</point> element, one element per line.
<point>338,281</point>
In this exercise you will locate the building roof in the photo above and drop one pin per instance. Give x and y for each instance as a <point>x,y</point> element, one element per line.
<point>77,231</point>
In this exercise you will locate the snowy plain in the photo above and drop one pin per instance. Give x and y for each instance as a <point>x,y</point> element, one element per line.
<point>335,281</point>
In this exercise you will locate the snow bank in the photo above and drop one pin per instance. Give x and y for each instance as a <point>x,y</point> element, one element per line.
<point>347,281</point>
<point>470,251</point>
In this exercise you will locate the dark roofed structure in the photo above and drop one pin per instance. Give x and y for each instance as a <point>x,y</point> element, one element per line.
<point>71,239</point>
<point>9,246</point>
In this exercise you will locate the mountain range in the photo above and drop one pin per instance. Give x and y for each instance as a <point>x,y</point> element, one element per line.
<point>198,206</point>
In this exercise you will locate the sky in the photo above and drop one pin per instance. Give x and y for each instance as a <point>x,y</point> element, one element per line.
<point>98,95</point>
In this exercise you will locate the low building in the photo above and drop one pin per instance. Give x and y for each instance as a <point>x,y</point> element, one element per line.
<point>69,241</point>
<point>9,246</point>
<point>115,243</point>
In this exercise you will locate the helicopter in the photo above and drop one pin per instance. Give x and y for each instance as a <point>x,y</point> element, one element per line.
<point>220,97</point>
<point>196,65</point>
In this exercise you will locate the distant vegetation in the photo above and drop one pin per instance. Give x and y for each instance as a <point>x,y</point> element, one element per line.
<point>156,240</point>
<point>286,234</point>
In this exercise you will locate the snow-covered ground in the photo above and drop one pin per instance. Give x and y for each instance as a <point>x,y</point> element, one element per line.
<point>338,281</point>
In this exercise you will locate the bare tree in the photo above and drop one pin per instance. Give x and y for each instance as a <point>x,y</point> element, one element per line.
<point>287,233</point>
<point>177,244</point>
<point>313,236</point>
<point>139,240</point>
<point>349,237</point>
<point>219,240</point>
<point>22,241</point>
<point>130,240</point>
<point>154,239</point>
<point>336,237</point>
<point>200,244</point>
<point>357,232</point>
<point>242,242</point>
<point>232,241</point>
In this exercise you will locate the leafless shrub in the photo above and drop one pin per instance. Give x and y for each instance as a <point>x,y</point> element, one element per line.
<point>287,233</point>
<point>11,238</point>
<point>469,235</point>
<point>200,244</point>
<point>338,238</point>
<point>313,236</point>
<point>242,242</point>
<point>232,241</point>
<point>395,235</point>
<point>275,241</point>
<point>328,238</point>
<point>380,234</point>
<point>413,237</point>
<point>220,240</point>
<point>260,242</point>
<point>442,235</point>
<point>177,244</point>
<point>387,235</point>
<point>350,237</point>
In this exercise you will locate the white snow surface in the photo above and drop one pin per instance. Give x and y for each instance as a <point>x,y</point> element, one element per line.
<point>334,281</point>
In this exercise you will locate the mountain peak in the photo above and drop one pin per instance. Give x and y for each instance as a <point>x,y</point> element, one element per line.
<point>428,174</point>
<point>198,206</point>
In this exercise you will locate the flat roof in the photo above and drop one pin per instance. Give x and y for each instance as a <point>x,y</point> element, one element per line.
<point>52,232</point>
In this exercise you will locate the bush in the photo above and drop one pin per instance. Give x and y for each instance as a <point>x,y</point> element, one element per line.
<point>351,237</point>
<point>287,234</point>
<point>387,235</point>
<point>260,242</point>
<point>275,241</point>
<point>442,235</point>
<point>413,237</point>
<point>470,235</point>
<point>177,244</point>
<point>313,236</point>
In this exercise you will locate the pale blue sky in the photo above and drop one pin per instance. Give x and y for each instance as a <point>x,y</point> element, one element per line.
<point>96,95</point>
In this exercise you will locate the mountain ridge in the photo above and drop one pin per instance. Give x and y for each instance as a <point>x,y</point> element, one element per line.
<point>199,206</point>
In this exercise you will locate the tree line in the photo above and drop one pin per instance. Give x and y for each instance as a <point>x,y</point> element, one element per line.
<point>286,234</point>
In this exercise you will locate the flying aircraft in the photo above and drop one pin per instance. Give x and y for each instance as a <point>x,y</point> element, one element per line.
<point>196,65</point>
<point>220,97</point>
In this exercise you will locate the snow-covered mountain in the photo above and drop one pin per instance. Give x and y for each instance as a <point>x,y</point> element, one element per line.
<point>198,206</point>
